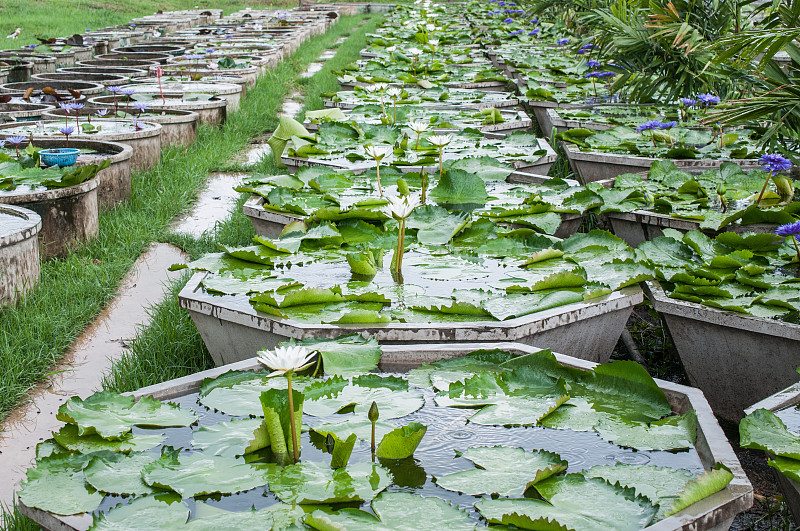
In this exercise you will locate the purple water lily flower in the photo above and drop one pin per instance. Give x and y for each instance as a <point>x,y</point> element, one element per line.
<point>78,106</point>
<point>210,50</point>
<point>128,91</point>
<point>650,125</point>
<point>534,21</point>
<point>562,42</point>
<point>669,125</point>
<point>517,32</point>
<point>67,106</point>
<point>790,229</point>
<point>591,63</point>
<point>509,20</point>
<point>113,89</point>
<point>101,112</point>
<point>67,130</point>
<point>708,99</point>
<point>774,163</point>
<point>140,106</point>
<point>193,56</point>
<point>16,140</point>
<point>688,102</point>
<point>535,31</point>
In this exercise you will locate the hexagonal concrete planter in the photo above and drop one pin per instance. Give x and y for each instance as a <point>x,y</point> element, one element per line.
<point>640,226</point>
<point>592,166</point>
<point>735,359</point>
<point>19,252</point>
<point>713,513</point>
<point>233,330</point>
<point>784,400</point>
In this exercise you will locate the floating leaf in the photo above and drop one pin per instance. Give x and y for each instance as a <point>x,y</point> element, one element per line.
<point>572,502</point>
<point>311,482</point>
<point>111,415</point>
<point>231,438</point>
<point>350,354</point>
<point>162,511</point>
<point>359,395</point>
<point>190,474</point>
<point>705,485</point>
<point>61,474</point>
<point>502,470</point>
<point>68,437</point>
<point>763,430</point>
<point>671,433</point>
<point>278,516</point>
<point>662,486</point>
<point>118,473</point>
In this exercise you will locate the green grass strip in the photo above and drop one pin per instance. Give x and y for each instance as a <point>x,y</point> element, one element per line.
<point>171,347</point>
<point>73,290</point>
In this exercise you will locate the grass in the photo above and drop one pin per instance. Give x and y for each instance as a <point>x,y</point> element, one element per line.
<point>36,333</point>
<point>170,346</point>
<point>35,17</point>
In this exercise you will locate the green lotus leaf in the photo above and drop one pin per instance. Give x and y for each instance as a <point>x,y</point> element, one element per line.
<point>191,474</point>
<point>662,486</point>
<point>161,511</point>
<point>359,395</point>
<point>459,187</point>
<point>401,442</point>
<point>704,485</point>
<point>508,472</point>
<point>435,225</point>
<point>349,425</point>
<point>572,502</point>
<point>119,473</point>
<point>61,474</point>
<point>440,374</point>
<point>237,393</point>
<point>111,415</point>
<point>68,437</point>
<point>670,433</point>
<point>276,517</point>
<point>231,438</point>
<point>345,355</point>
<point>311,482</point>
<point>763,430</point>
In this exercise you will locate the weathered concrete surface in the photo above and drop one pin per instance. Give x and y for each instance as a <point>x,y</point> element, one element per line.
<point>82,368</point>
<point>233,330</point>
<point>69,215</point>
<point>214,204</point>
<point>87,89</point>
<point>734,359</point>
<point>211,112</point>
<point>25,112</point>
<point>106,80</point>
<point>19,252</point>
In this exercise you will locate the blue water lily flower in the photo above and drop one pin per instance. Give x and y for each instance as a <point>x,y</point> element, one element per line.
<point>774,163</point>
<point>708,99</point>
<point>790,229</point>
<point>562,42</point>
<point>509,20</point>
<point>534,31</point>
<point>517,32</point>
<point>591,63</point>
<point>650,125</point>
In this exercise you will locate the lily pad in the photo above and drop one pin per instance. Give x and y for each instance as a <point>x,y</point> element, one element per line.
<point>161,511</point>
<point>119,474</point>
<point>311,482</point>
<point>232,438</point>
<point>359,395</point>
<point>504,471</point>
<point>61,474</point>
<point>112,415</point>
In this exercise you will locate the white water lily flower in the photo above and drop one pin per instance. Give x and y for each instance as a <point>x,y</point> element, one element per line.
<point>380,87</point>
<point>378,152</point>
<point>414,51</point>
<point>430,27</point>
<point>392,48</point>
<point>419,126</point>
<point>400,208</point>
<point>213,66</point>
<point>440,141</point>
<point>394,92</point>
<point>285,360</point>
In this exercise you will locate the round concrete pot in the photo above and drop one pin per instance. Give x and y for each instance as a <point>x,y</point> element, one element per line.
<point>178,128</point>
<point>160,49</point>
<point>25,112</point>
<point>149,77</point>
<point>40,63</point>
<point>106,80</point>
<point>69,215</point>
<point>211,112</point>
<point>114,181</point>
<point>591,166</point>
<point>233,329</point>
<point>18,69</point>
<point>116,61</point>
<point>735,359</point>
<point>231,93</point>
<point>250,73</point>
<point>146,143</point>
<point>157,57</point>
<point>86,89</point>
<point>61,59</point>
<point>19,252</point>
<point>114,70</point>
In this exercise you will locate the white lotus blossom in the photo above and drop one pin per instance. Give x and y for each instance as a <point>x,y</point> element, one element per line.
<point>440,141</point>
<point>394,92</point>
<point>430,27</point>
<point>380,87</point>
<point>285,359</point>
<point>419,126</point>
<point>213,65</point>
<point>378,152</point>
<point>414,51</point>
<point>392,48</point>
<point>400,208</point>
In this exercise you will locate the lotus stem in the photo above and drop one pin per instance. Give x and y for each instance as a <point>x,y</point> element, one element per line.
<point>383,107</point>
<point>378,176</point>
<point>424,177</point>
<point>161,91</point>
<point>401,244</point>
<point>394,111</point>
<point>763,189</point>
<point>797,250</point>
<point>441,162</point>
<point>416,147</point>
<point>295,446</point>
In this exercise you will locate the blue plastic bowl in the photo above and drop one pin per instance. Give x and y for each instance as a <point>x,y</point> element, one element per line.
<point>59,156</point>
